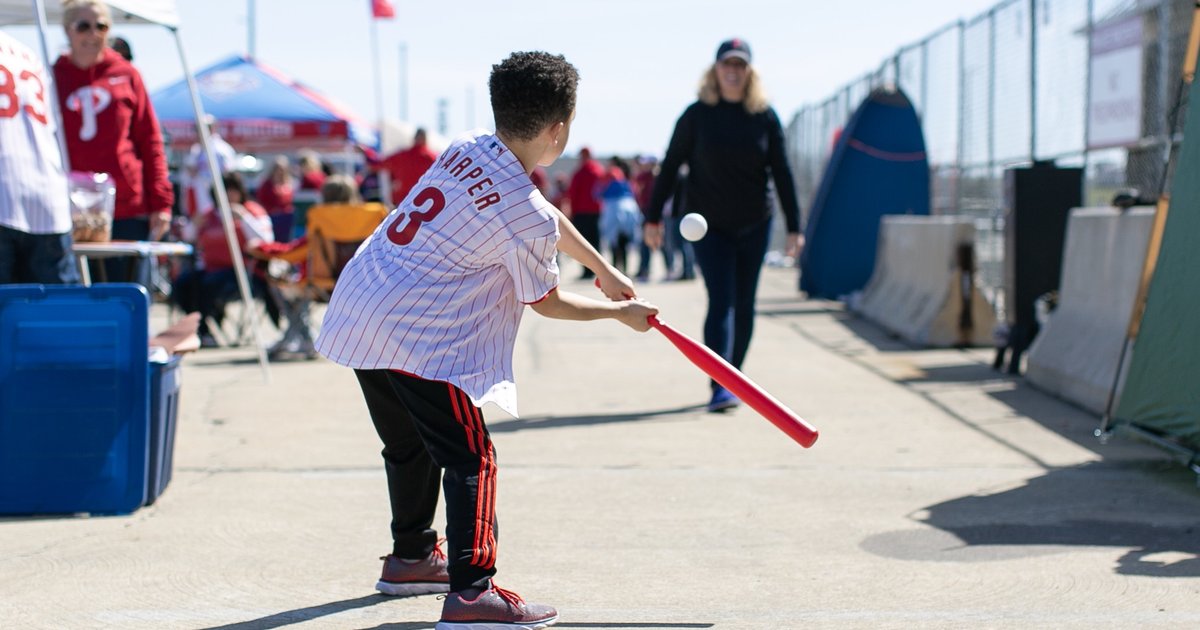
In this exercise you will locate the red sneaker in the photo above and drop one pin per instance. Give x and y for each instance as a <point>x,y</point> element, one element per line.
<point>494,609</point>
<point>406,578</point>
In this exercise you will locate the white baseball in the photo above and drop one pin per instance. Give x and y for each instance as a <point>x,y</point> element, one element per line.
<point>693,226</point>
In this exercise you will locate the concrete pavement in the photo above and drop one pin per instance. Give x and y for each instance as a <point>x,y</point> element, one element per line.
<point>940,495</point>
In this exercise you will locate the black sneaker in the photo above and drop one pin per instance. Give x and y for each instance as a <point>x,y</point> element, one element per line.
<point>494,609</point>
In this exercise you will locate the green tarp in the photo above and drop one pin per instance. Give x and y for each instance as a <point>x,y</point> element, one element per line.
<point>1162,386</point>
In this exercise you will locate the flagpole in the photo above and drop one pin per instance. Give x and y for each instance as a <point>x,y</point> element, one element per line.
<point>380,9</point>
<point>378,71</point>
<point>250,28</point>
<point>404,81</point>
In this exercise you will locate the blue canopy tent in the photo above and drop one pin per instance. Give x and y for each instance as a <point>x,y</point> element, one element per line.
<point>260,109</point>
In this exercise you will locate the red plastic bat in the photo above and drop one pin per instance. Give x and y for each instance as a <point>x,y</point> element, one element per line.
<point>740,385</point>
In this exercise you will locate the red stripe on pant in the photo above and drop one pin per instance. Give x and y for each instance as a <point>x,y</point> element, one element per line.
<point>470,417</point>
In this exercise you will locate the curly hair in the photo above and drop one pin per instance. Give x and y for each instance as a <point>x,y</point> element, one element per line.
<point>531,91</point>
<point>755,101</point>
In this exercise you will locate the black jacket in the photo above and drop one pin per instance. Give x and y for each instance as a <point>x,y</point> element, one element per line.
<point>730,154</point>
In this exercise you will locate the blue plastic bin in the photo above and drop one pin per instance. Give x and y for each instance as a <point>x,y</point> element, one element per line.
<point>165,383</point>
<point>74,399</point>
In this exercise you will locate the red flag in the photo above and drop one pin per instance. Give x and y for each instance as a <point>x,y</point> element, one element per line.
<point>382,9</point>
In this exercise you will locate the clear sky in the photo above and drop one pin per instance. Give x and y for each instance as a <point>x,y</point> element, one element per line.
<point>640,60</point>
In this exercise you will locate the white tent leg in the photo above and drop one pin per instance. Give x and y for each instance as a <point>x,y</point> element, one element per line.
<point>39,12</point>
<point>222,200</point>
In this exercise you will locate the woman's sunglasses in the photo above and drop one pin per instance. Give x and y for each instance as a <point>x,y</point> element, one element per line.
<point>84,26</point>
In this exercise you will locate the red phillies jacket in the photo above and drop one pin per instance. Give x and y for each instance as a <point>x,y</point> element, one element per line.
<point>110,127</point>
<point>584,185</point>
<point>406,167</point>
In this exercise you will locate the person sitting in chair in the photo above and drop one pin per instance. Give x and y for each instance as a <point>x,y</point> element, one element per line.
<point>293,284</point>
<point>205,288</point>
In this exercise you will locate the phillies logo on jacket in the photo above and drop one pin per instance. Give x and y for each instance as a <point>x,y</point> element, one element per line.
<point>88,101</point>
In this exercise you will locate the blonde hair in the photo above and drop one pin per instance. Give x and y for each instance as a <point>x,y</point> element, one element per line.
<point>755,100</point>
<point>71,9</point>
<point>309,161</point>
<point>339,189</point>
<point>280,169</point>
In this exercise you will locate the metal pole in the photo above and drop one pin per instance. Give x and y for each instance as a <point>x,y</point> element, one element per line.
<point>251,11</point>
<point>40,13</point>
<point>378,71</point>
<point>239,266</point>
<point>1164,82</point>
<point>924,79</point>
<point>404,82</point>
<point>991,97</point>
<point>1033,85</point>
<point>962,106</point>
<point>1087,94</point>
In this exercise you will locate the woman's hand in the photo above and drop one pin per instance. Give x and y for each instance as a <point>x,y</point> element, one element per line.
<point>652,235</point>
<point>160,224</point>
<point>795,242</point>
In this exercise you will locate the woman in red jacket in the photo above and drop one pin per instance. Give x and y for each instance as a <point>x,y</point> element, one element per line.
<point>110,127</point>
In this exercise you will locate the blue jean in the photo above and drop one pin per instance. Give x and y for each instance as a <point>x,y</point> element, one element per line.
<point>730,264</point>
<point>36,258</point>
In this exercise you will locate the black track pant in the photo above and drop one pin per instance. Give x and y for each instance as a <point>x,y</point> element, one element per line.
<point>428,427</point>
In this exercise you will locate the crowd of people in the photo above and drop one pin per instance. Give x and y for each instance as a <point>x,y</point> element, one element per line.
<point>607,203</point>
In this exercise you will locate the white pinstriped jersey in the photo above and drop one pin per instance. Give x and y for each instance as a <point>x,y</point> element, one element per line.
<point>439,289</point>
<point>33,187</point>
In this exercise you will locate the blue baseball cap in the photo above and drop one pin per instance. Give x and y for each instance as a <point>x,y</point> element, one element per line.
<point>735,47</point>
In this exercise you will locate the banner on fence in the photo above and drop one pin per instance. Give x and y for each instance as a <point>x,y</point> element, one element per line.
<point>1115,97</point>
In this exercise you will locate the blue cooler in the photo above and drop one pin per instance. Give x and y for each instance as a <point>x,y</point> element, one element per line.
<point>75,432</point>
<point>165,383</point>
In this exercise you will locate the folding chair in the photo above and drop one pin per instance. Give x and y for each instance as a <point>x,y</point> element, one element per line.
<point>334,232</point>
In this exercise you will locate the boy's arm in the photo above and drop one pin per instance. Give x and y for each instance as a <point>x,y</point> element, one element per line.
<point>565,305</point>
<point>615,285</point>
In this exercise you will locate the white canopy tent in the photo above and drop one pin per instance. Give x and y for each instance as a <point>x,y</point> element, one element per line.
<point>162,13</point>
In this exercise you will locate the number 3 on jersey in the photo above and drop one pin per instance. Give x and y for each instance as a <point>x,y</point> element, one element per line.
<point>432,201</point>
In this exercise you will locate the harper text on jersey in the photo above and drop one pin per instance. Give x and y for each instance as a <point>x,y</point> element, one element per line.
<point>481,189</point>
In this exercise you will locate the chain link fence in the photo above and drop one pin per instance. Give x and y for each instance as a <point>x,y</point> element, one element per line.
<point>1026,81</point>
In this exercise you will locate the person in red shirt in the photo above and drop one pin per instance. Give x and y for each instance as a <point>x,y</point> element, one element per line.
<point>539,179</point>
<point>407,166</point>
<point>203,289</point>
<point>275,193</point>
<point>312,172</point>
<point>585,202</point>
<point>110,126</point>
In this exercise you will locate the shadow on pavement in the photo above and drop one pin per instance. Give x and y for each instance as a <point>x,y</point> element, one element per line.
<point>301,615</point>
<point>611,624</point>
<point>1132,499</point>
<point>556,422</point>
<point>966,373</point>
<point>1094,505</point>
